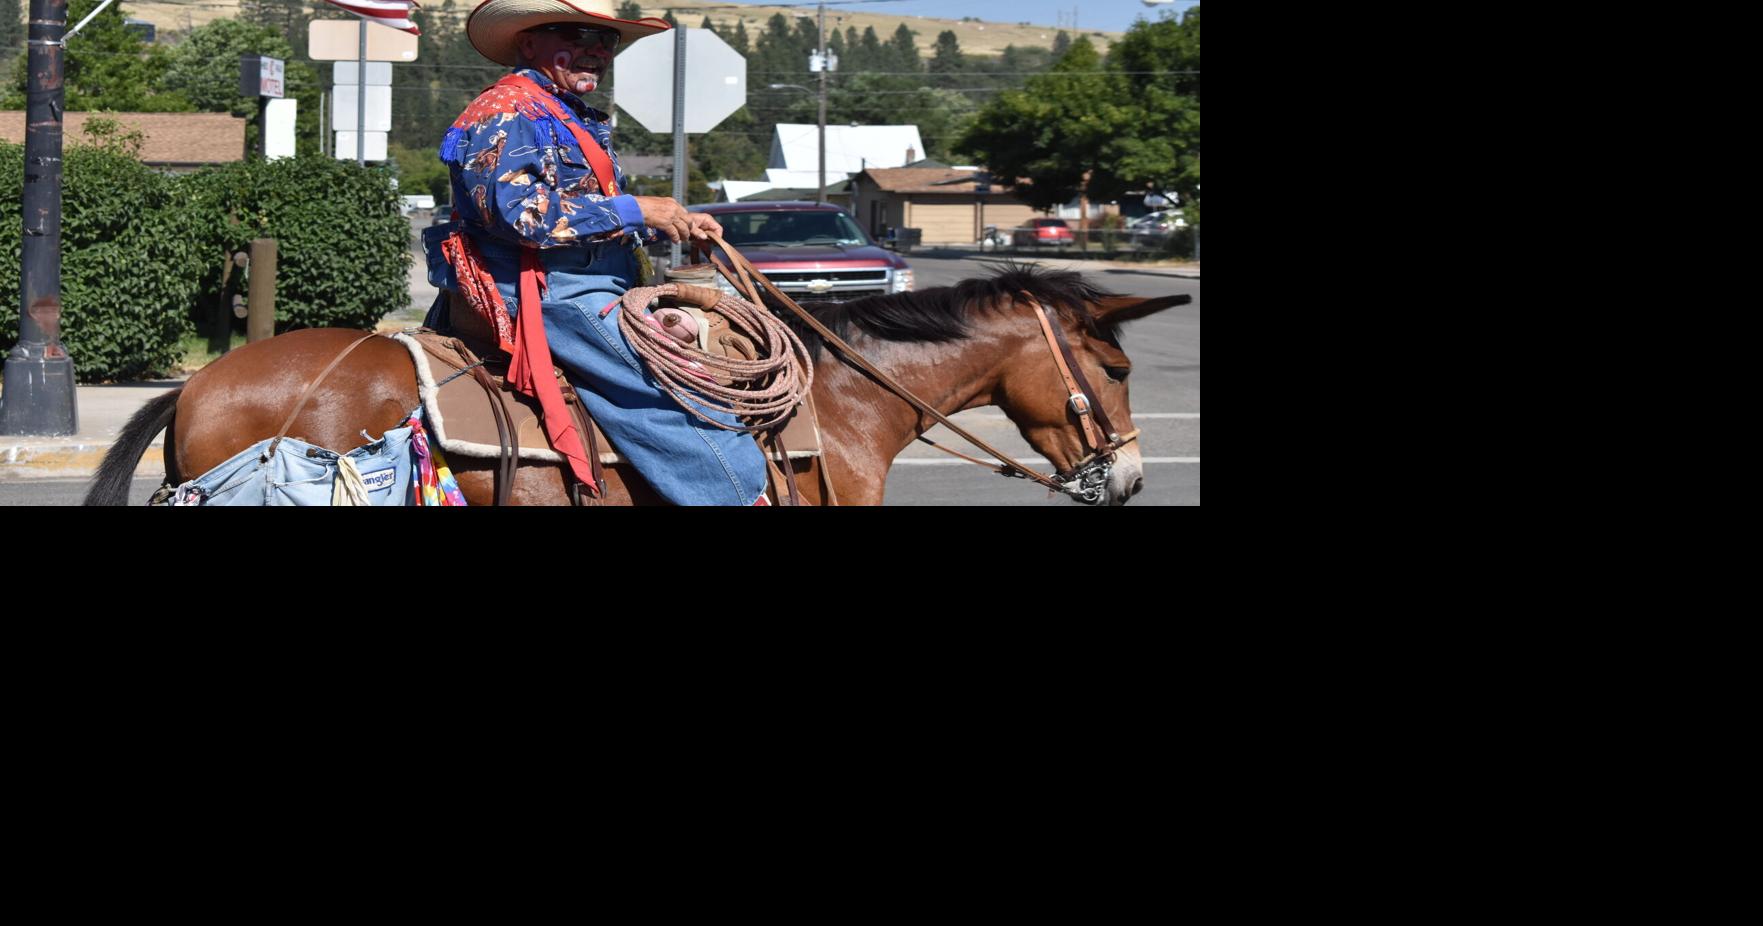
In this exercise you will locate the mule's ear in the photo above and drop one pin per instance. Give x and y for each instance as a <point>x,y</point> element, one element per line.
<point>1117,309</point>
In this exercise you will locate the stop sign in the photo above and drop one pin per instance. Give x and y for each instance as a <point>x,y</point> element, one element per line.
<point>716,81</point>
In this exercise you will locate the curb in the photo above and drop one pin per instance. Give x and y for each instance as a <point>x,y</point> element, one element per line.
<point>68,461</point>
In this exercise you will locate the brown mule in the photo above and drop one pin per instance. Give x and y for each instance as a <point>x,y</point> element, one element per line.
<point>976,343</point>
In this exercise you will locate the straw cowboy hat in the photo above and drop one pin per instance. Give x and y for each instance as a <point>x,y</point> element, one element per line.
<point>495,26</point>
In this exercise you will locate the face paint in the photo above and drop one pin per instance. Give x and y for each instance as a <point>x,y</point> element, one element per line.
<point>563,62</point>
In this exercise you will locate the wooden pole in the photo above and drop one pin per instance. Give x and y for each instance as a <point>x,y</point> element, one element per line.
<point>260,322</point>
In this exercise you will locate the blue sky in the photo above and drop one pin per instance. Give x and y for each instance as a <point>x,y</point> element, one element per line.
<point>1092,15</point>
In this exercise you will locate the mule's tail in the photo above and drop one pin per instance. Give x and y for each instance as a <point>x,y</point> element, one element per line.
<point>117,472</point>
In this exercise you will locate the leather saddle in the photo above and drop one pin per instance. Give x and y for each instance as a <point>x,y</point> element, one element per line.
<point>472,412</point>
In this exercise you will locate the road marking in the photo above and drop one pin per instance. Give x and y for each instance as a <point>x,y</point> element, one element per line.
<point>931,461</point>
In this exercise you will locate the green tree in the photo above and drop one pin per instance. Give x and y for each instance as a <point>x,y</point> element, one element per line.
<point>204,69</point>
<point>107,67</point>
<point>630,9</point>
<point>1159,67</point>
<point>902,51</point>
<point>948,58</point>
<point>287,17</point>
<point>1134,127</point>
<point>1052,131</point>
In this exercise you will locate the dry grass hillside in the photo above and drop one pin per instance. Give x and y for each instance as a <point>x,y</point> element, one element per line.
<point>977,37</point>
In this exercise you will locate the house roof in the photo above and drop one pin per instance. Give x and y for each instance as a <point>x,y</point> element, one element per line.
<point>922,180</point>
<point>849,148</point>
<point>170,138</point>
<point>933,180</point>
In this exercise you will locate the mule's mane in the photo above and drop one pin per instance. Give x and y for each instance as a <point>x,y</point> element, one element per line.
<point>946,313</point>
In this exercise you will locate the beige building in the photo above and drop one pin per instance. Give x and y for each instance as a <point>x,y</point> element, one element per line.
<point>176,141</point>
<point>942,202</point>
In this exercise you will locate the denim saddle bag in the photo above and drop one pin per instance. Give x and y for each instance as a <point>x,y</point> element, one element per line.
<point>296,473</point>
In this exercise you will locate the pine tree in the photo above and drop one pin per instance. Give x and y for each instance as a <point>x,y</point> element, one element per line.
<point>904,51</point>
<point>948,58</point>
<point>871,52</point>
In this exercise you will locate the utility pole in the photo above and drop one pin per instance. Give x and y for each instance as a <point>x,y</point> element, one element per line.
<point>39,397</point>
<point>825,63</point>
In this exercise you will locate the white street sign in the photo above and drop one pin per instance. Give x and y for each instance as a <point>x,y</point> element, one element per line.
<point>376,146</point>
<point>716,81</point>
<point>340,40</point>
<point>379,73</point>
<point>278,128</point>
<point>379,108</point>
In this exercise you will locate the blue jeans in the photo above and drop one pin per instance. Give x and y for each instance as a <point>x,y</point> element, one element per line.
<point>687,461</point>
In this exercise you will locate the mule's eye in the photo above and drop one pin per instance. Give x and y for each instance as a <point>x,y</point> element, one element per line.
<point>1117,374</point>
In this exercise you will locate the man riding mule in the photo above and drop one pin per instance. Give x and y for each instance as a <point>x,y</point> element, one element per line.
<point>1041,346</point>
<point>544,241</point>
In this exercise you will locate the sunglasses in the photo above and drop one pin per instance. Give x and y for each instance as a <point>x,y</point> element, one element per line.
<point>587,37</point>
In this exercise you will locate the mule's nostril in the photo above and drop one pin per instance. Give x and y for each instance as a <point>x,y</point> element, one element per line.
<point>1138,485</point>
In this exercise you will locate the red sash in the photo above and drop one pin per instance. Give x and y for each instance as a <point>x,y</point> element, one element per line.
<point>530,371</point>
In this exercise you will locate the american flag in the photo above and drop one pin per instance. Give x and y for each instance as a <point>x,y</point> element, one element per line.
<point>394,13</point>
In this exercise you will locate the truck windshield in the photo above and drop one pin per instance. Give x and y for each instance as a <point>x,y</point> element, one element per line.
<point>790,227</point>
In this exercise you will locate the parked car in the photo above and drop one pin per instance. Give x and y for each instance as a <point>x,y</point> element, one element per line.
<point>1153,228</point>
<point>443,215</point>
<point>1042,232</point>
<point>815,252</point>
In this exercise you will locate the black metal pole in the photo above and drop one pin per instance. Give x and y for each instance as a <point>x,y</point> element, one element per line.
<point>39,397</point>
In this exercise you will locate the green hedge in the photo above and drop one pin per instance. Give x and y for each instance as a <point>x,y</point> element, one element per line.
<point>142,251</point>
<point>342,246</point>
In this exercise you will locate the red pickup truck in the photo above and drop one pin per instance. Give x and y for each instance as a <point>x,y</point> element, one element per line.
<point>812,251</point>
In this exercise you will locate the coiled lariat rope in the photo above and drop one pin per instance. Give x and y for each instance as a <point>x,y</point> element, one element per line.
<point>761,393</point>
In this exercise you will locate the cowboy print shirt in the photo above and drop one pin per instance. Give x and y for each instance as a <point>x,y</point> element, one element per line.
<point>521,176</point>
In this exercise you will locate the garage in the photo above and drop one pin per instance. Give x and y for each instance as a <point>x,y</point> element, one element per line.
<point>942,222</point>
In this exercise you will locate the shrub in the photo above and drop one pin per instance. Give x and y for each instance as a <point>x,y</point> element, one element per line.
<point>142,252</point>
<point>129,267</point>
<point>343,248</point>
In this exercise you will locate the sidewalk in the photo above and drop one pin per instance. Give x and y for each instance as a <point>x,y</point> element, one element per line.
<point>102,412</point>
